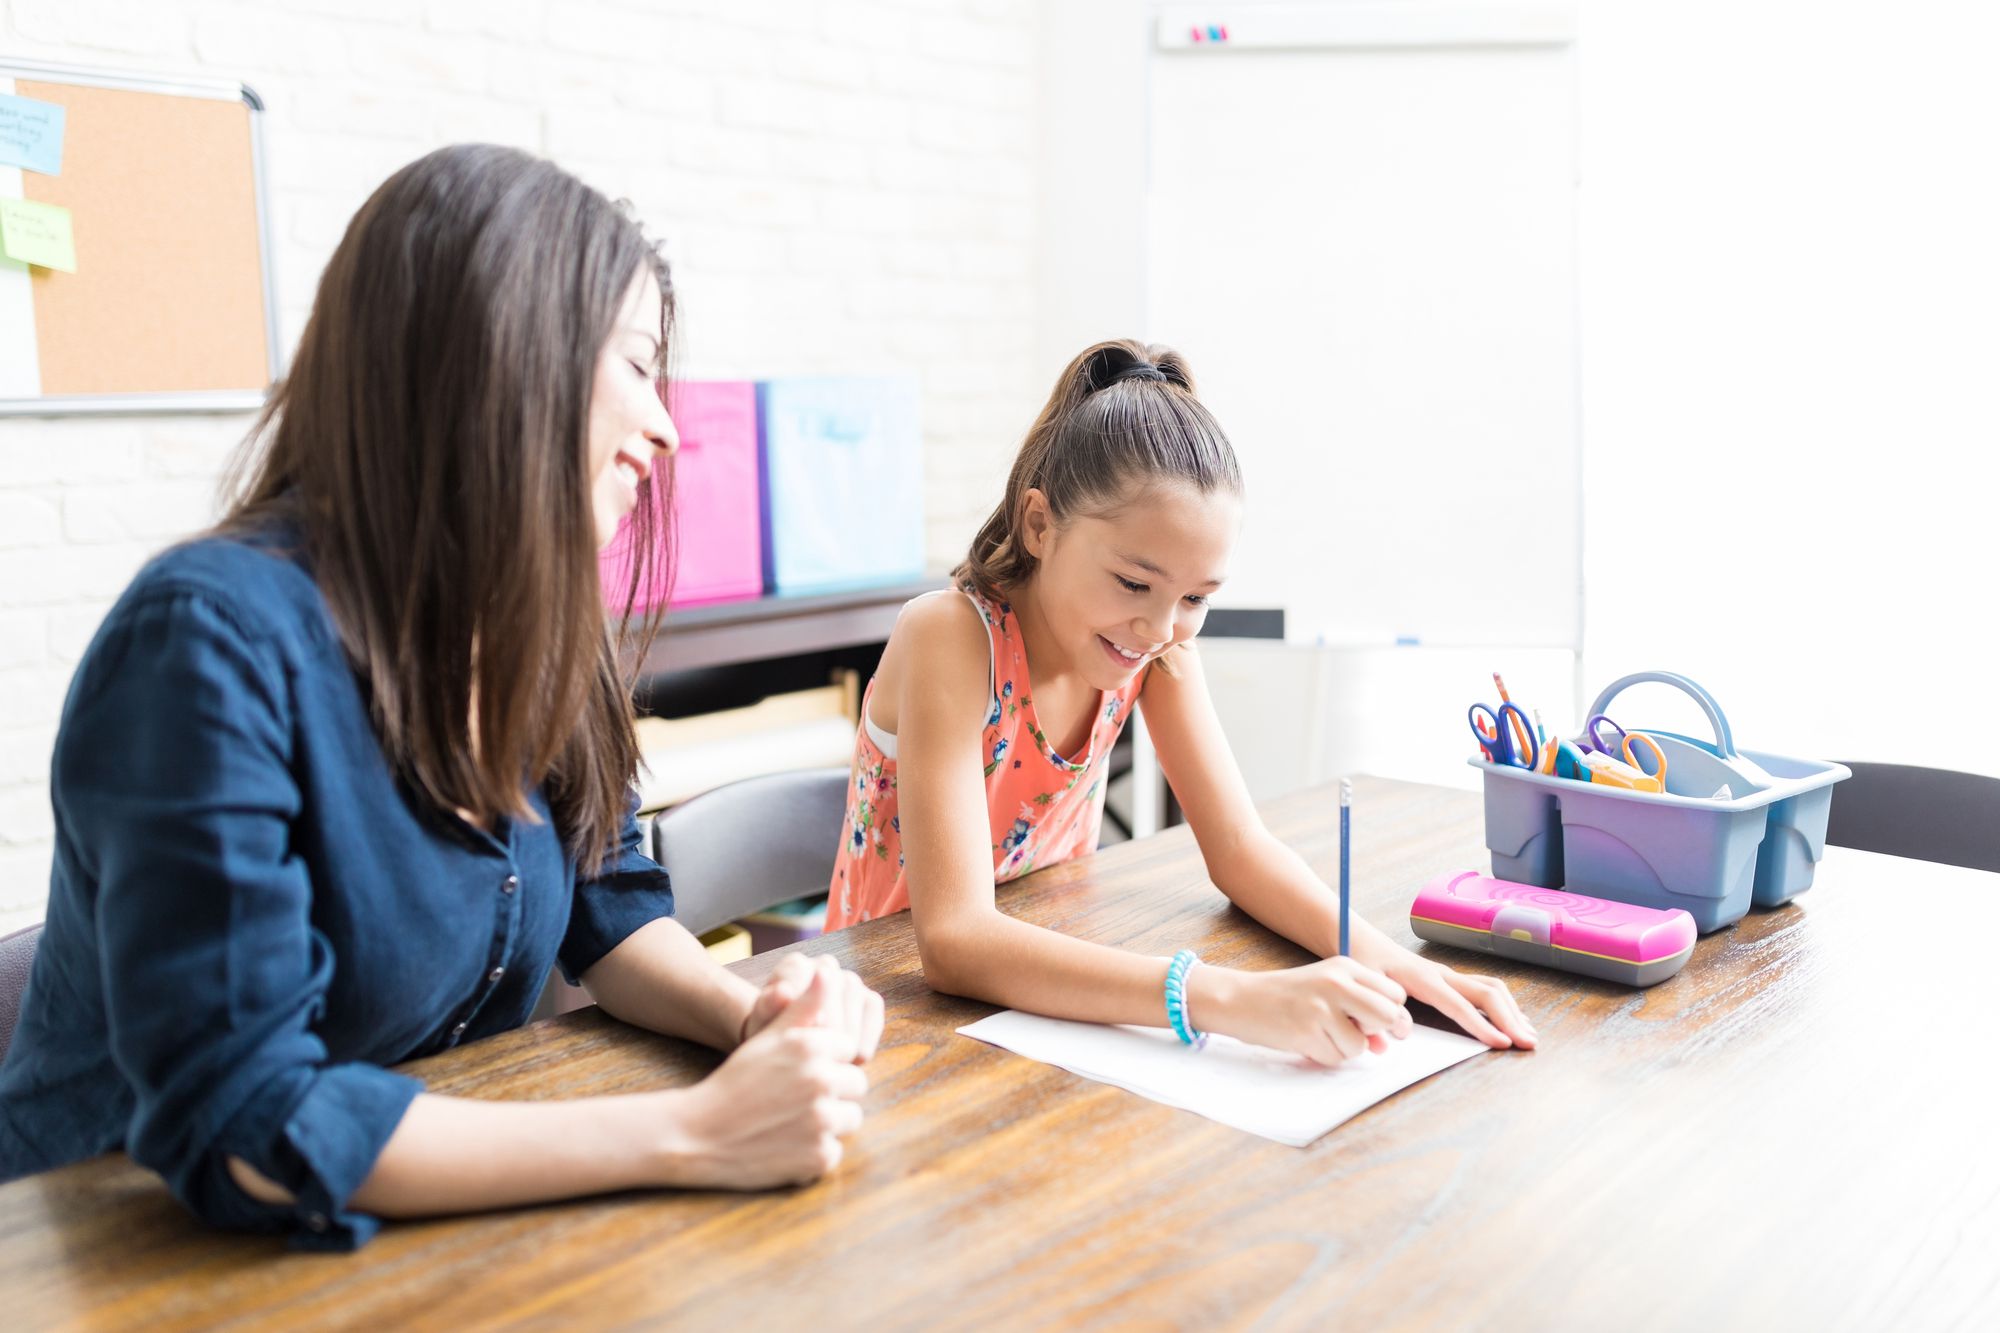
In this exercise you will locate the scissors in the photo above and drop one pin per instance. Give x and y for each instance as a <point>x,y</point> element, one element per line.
<point>1484,734</point>
<point>1491,730</point>
<point>1593,741</point>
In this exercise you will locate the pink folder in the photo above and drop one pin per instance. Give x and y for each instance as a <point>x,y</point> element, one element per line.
<point>719,546</point>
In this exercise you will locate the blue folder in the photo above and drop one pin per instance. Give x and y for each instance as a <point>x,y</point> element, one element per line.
<point>841,459</point>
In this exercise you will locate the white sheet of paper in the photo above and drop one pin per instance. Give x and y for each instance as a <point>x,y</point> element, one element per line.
<point>1254,1088</point>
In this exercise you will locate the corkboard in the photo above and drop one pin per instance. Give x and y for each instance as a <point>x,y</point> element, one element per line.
<point>169,294</point>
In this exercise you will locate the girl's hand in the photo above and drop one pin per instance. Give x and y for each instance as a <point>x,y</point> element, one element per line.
<point>1483,1006</point>
<point>851,1007</point>
<point>1328,1011</point>
<point>777,1109</point>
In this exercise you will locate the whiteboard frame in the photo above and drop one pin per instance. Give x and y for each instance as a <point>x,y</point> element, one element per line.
<point>1303,25</point>
<point>1366,25</point>
<point>1096,64</point>
<point>201,401</point>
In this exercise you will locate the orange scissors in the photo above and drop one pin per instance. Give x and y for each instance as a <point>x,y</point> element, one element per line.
<point>1620,767</point>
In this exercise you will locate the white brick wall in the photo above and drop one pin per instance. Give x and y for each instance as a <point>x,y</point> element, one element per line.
<point>842,187</point>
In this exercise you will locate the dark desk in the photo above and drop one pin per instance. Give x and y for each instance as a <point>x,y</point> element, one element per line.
<point>756,628</point>
<point>1788,1135</point>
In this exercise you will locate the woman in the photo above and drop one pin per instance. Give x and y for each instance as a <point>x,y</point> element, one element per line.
<point>338,782</point>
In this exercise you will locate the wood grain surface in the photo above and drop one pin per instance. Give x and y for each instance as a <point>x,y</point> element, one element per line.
<point>1795,1132</point>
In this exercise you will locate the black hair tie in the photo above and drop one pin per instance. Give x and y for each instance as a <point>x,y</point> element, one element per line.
<point>1141,370</point>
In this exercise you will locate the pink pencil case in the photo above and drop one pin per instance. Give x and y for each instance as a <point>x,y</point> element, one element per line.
<point>1638,946</point>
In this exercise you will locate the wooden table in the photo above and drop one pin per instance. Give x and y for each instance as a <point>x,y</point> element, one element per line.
<point>1786,1135</point>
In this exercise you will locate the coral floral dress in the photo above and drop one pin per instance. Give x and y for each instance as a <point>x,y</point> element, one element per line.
<point>1042,807</point>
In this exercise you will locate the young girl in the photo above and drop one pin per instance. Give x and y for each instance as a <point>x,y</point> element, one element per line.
<point>984,735</point>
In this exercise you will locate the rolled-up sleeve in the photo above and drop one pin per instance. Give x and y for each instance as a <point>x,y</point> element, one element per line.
<point>174,776</point>
<point>629,891</point>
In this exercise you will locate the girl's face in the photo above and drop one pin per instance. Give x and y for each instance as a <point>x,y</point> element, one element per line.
<point>1120,589</point>
<point>628,422</point>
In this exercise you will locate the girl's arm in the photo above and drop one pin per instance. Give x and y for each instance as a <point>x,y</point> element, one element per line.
<point>773,1114</point>
<point>1272,882</point>
<point>970,948</point>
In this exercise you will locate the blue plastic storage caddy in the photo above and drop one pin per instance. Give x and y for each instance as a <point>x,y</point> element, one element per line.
<point>1712,857</point>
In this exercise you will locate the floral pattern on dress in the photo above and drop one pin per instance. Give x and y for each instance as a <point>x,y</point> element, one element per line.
<point>861,828</point>
<point>1018,834</point>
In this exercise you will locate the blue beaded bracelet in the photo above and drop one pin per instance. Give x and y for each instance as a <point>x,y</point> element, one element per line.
<point>1177,1014</point>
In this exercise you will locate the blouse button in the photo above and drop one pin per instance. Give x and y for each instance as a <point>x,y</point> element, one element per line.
<point>496,974</point>
<point>316,1221</point>
<point>509,884</point>
<point>458,1031</point>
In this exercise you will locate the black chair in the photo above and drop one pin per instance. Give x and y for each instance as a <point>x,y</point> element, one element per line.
<point>1926,814</point>
<point>17,959</point>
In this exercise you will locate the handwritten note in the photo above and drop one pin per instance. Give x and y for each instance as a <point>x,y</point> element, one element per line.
<point>31,134</point>
<point>1266,1092</point>
<point>35,233</point>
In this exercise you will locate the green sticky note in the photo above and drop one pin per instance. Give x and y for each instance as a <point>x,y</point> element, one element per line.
<point>35,233</point>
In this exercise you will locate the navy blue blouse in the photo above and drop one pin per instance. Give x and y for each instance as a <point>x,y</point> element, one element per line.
<point>250,914</point>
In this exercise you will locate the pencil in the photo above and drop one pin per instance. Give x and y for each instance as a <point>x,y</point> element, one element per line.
<point>1520,732</point>
<point>1346,800</point>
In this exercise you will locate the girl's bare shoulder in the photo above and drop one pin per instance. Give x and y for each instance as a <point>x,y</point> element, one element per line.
<point>938,661</point>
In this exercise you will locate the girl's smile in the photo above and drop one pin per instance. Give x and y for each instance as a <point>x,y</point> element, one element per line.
<point>1126,659</point>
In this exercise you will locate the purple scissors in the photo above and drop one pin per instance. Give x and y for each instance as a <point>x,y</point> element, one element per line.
<point>1623,751</point>
<point>1592,741</point>
<point>1490,729</point>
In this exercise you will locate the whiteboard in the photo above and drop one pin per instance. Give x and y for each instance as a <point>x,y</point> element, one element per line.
<point>1367,252</point>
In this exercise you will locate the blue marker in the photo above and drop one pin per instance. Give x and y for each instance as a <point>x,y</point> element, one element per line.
<point>1346,799</point>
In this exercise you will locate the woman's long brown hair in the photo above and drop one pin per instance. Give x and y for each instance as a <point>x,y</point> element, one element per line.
<point>430,448</point>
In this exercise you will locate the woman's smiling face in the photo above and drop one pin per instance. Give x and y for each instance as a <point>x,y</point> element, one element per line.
<point>629,424</point>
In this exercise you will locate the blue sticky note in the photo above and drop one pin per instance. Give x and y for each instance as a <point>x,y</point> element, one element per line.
<point>31,134</point>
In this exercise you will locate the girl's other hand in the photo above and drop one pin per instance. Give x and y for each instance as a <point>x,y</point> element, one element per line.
<point>1483,1006</point>
<point>1329,1011</point>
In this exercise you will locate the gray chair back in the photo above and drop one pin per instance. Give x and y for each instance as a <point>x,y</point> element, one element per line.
<point>17,959</point>
<point>1926,814</point>
<point>752,844</point>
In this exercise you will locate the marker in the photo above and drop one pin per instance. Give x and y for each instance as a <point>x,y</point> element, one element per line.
<point>1346,799</point>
